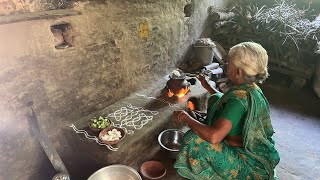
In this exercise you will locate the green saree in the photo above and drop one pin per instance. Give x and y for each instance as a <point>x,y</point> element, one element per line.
<point>257,159</point>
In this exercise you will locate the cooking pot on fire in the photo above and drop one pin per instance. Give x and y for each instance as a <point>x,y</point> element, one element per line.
<point>178,85</point>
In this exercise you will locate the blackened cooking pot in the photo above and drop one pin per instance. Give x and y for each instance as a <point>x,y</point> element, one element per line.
<point>176,84</point>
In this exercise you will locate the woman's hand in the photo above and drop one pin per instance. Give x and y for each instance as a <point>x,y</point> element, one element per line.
<point>203,80</point>
<point>176,117</point>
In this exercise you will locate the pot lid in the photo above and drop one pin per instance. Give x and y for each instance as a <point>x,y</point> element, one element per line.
<point>177,74</point>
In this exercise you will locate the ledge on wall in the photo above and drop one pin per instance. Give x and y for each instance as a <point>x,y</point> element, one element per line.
<point>38,15</point>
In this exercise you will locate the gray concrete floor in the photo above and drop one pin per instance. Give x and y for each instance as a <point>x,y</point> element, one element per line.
<point>296,120</point>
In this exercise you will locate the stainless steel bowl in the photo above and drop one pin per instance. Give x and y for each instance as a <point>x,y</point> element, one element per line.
<point>61,176</point>
<point>116,172</point>
<point>170,141</point>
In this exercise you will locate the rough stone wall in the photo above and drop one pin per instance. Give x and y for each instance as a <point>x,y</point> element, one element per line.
<point>9,7</point>
<point>117,48</point>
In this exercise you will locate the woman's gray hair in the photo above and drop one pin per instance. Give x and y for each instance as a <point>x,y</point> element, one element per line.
<point>252,58</point>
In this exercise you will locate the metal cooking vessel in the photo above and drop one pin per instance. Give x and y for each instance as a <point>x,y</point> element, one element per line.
<point>170,141</point>
<point>116,172</point>
<point>175,84</point>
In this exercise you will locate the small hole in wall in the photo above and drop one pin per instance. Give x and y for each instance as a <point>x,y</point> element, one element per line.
<point>61,34</point>
<point>188,9</point>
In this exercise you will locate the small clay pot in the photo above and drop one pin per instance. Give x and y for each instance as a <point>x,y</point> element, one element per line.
<point>153,170</point>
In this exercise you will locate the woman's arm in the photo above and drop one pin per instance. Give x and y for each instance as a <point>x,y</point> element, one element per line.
<point>213,134</point>
<point>204,82</point>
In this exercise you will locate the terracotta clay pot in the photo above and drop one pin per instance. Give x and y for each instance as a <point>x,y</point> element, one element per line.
<point>153,170</point>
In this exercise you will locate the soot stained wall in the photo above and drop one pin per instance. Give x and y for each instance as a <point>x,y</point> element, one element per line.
<point>117,48</point>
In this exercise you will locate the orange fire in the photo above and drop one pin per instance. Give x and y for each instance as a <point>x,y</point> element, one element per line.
<point>190,105</point>
<point>181,93</point>
<point>170,93</point>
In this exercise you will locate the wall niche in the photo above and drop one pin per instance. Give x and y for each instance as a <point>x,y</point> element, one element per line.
<point>61,32</point>
<point>188,9</point>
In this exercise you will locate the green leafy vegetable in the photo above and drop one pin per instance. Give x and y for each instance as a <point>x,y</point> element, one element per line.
<point>100,122</point>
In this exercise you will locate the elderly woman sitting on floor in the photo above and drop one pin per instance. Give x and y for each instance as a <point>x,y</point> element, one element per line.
<point>235,141</point>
